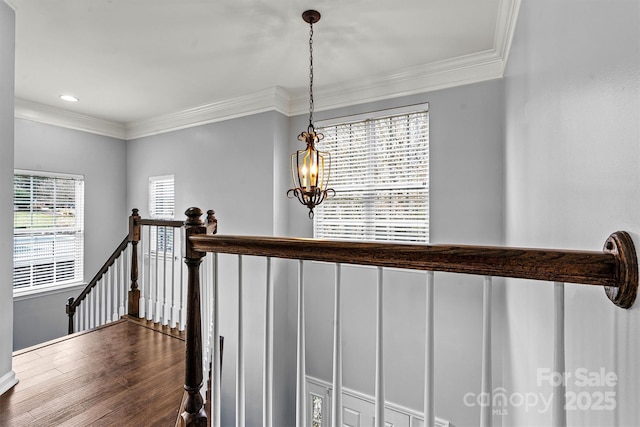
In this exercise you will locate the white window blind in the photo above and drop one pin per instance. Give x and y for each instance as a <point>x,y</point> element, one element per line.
<point>162,206</point>
<point>48,238</point>
<point>162,197</point>
<point>380,172</point>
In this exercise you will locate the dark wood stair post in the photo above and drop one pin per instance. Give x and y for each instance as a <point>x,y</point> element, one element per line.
<point>134,238</point>
<point>194,414</point>
<point>71,311</point>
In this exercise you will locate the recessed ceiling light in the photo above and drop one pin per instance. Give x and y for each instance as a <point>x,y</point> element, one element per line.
<point>69,98</point>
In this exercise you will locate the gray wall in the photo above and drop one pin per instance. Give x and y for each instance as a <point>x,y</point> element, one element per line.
<point>240,169</point>
<point>102,161</point>
<point>466,206</point>
<point>233,167</point>
<point>572,178</point>
<point>7,53</point>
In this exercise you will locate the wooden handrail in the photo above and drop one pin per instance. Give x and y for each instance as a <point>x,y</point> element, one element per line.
<point>73,303</point>
<point>160,222</point>
<point>614,267</point>
<point>133,237</point>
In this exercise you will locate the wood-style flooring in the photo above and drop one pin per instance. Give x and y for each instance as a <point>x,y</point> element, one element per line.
<point>122,374</point>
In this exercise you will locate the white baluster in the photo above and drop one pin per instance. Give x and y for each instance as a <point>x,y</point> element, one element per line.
<point>115,282</point>
<point>559,418</point>
<point>92,308</point>
<point>380,398</point>
<point>124,281</point>
<point>107,297</point>
<point>486,409</point>
<point>149,278</point>
<point>101,301</point>
<point>267,367</point>
<point>165,306</point>
<point>217,369</point>
<point>429,413</point>
<point>174,293</point>
<point>76,321</point>
<point>83,316</point>
<point>156,282</point>
<point>204,325</point>
<point>336,398</point>
<point>301,367</point>
<point>83,304</point>
<point>142,275</point>
<point>240,403</point>
<point>182,312</point>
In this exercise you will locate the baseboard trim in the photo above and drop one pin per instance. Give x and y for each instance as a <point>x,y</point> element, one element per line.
<point>7,381</point>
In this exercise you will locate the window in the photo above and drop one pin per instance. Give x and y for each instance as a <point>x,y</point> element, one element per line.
<point>162,197</point>
<point>380,172</point>
<point>48,229</point>
<point>162,206</point>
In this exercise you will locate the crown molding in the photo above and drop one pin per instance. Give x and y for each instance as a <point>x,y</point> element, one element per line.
<point>459,71</point>
<point>10,4</point>
<point>506,26</point>
<point>42,113</point>
<point>274,99</point>
<point>473,68</point>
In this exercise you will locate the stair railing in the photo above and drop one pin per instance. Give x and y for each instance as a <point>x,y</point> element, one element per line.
<point>142,278</point>
<point>615,268</point>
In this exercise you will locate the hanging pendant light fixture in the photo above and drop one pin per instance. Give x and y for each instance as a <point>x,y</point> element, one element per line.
<point>309,167</point>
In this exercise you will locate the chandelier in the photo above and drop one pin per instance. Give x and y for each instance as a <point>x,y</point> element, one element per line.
<point>310,167</point>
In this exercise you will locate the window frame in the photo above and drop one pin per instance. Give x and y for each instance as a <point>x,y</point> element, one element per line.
<point>162,237</point>
<point>371,230</point>
<point>77,230</point>
<point>152,195</point>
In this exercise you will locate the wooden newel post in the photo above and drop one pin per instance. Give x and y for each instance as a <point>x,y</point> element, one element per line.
<point>71,311</point>
<point>134,238</point>
<point>194,413</point>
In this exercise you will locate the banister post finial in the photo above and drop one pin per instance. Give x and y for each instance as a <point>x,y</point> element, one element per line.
<point>212,222</point>
<point>134,226</point>
<point>194,413</point>
<point>193,216</point>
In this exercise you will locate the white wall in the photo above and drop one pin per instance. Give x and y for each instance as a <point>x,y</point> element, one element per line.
<point>572,100</point>
<point>466,206</point>
<point>102,162</point>
<point>7,53</point>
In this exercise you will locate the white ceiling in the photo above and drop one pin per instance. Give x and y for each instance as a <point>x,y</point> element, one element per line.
<point>133,62</point>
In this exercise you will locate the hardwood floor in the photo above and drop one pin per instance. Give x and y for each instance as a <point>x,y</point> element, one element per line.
<point>123,374</point>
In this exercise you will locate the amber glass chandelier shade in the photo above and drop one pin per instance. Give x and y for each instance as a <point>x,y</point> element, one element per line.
<point>310,169</point>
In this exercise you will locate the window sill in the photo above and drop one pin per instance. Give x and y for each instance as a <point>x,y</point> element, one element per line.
<point>41,291</point>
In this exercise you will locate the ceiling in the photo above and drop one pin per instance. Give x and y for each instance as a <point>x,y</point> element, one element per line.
<point>137,65</point>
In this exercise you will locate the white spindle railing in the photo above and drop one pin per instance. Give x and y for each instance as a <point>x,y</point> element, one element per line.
<point>429,350</point>
<point>379,382</point>
<point>240,373</point>
<point>217,368</point>
<point>108,298</point>
<point>267,367</point>
<point>559,417</point>
<point>464,260</point>
<point>336,398</point>
<point>301,381</point>
<point>161,283</point>
<point>162,290</point>
<point>485,387</point>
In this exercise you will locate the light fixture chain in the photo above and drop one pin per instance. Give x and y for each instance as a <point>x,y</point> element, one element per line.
<point>311,74</point>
